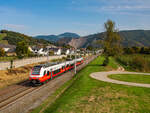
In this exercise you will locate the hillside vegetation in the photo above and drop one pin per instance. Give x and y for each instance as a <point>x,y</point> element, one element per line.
<point>10,37</point>
<point>55,38</point>
<point>129,38</point>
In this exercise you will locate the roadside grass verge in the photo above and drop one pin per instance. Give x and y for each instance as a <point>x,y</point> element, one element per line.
<point>87,95</point>
<point>137,78</point>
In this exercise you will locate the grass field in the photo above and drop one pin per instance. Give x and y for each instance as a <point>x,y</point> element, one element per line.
<point>137,78</point>
<point>87,95</point>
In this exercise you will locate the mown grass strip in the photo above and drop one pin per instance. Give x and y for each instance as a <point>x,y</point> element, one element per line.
<point>137,78</point>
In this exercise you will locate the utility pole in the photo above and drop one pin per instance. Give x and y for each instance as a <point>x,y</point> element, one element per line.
<point>74,45</point>
<point>48,57</point>
<point>75,69</point>
<point>70,53</point>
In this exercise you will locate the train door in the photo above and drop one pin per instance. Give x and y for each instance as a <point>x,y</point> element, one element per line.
<point>63,69</point>
<point>48,74</point>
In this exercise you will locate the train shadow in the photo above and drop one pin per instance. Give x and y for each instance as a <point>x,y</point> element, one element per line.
<point>26,83</point>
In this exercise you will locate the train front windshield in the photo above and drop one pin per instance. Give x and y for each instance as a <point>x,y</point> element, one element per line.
<point>36,70</point>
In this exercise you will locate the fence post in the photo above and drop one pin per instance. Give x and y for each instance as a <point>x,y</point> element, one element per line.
<point>11,64</point>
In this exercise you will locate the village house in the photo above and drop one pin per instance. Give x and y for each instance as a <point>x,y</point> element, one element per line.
<point>39,51</point>
<point>57,51</point>
<point>9,49</point>
<point>65,51</point>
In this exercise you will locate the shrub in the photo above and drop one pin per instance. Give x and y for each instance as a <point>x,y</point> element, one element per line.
<point>135,62</point>
<point>106,61</point>
<point>2,52</point>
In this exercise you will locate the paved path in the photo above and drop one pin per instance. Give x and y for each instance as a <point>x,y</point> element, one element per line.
<point>103,76</point>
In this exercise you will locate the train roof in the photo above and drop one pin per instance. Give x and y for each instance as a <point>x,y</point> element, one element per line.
<point>48,64</point>
<point>57,63</point>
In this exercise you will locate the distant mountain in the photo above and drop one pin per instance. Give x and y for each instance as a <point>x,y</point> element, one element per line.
<point>136,37</point>
<point>52,38</point>
<point>12,38</point>
<point>129,38</point>
<point>68,35</point>
<point>64,40</point>
<point>56,38</point>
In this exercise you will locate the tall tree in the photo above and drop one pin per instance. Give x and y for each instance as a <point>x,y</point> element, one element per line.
<point>22,49</point>
<point>112,39</point>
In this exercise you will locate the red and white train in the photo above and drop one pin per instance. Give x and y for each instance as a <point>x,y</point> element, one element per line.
<point>44,72</point>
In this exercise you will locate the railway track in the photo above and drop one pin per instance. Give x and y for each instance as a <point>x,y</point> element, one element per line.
<point>14,90</point>
<point>17,92</point>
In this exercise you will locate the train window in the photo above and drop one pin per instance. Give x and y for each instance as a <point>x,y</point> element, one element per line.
<point>55,71</point>
<point>44,72</point>
<point>63,67</point>
<point>58,71</point>
<point>47,73</point>
<point>36,70</point>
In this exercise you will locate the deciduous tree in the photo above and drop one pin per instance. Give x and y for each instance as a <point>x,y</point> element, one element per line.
<point>112,39</point>
<point>22,49</point>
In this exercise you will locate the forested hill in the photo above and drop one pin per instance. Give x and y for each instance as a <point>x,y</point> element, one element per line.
<point>55,38</point>
<point>136,37</point>
<point>10,37</point>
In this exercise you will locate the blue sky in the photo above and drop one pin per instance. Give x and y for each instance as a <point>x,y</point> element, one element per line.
<point>34,17</point>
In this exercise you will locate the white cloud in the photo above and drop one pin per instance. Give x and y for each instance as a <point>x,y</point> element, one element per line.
<point>125,7</point>
<point>13,26</point>
<point>115,6</point>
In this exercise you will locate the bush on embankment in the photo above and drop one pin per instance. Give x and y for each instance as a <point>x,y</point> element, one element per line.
<point>106,61</point>
<point>135,62</point>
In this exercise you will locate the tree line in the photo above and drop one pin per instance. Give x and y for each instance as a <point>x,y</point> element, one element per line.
<point>136,50</point>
